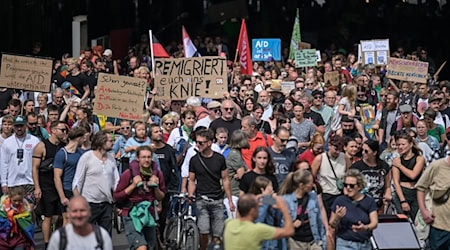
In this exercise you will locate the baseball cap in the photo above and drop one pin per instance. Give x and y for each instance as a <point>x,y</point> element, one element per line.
<point>107,52</point>
<point>19,120</point>
<point>65,85</point>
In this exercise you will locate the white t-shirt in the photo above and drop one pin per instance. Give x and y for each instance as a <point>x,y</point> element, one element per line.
<point>75,241</point>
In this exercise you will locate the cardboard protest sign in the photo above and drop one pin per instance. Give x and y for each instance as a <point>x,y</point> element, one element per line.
<point>374,51</point>
<point>180,78</point>
<point>332,77</point>
<point>407,70</point>
<point>264,48</point>
<point>286,87</point>
<point>27,73</point>
<point>120,96</point>
<point>305,58</point>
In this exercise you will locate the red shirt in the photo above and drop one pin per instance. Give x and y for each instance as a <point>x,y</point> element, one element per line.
<point>255,142</point>
<point>137,195</point>
<point>308,155</point>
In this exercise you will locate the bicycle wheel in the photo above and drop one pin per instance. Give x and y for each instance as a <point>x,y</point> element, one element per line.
<point>170,234</point>
<point>192,236</point>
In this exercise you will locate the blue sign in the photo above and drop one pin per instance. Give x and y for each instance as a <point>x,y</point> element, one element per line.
<point>265,48</point>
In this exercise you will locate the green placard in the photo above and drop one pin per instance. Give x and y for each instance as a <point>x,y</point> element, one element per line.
<point>305,58</point>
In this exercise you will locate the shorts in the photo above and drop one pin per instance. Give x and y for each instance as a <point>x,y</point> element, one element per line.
<point>69,195</point>
<point>135,239</point>
<point>210,217</point>
<point>49,205</point>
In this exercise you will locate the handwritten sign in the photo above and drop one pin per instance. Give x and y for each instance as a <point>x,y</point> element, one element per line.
<point>407,70</point>
<point>264,48</point>
<point>28,73</point>
<point>331,77</point>
<point>305,58</point>
<point>180,78</point>
<point>286,87</point>
<point>374,51</point>
<point>120,96</point>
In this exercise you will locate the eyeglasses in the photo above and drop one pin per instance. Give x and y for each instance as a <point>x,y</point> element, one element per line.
<point>228,109</point>
<point>317,97</point>
<point>64,130</point>
<point>169,123</point>
<point>349,185</point>
<point>201,142</point>
<point>125,128</point>
<point>33,124</point>
<point>284,140</point>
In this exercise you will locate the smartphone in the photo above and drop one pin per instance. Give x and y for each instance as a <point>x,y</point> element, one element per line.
<point>268,200</point>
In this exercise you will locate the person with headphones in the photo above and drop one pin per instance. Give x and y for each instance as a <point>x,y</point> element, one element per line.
<point>139,138</point>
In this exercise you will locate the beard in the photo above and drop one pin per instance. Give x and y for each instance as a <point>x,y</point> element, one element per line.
<point>391,106</point>
<point>264,104</point>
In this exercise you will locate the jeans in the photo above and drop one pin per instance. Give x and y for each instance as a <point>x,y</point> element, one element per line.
<point>342,244</point>
<point>439,239</point>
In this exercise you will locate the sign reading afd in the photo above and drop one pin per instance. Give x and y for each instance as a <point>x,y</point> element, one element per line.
<point>264,48</point>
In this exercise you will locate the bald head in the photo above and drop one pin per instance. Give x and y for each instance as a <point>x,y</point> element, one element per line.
<point>246,203</point>
<point>78,201</point>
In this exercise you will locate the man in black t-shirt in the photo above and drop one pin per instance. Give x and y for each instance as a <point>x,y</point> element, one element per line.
<point>77,79</point>
<point>227,120</point>
<point>313,116</point>
<point>208,168</point>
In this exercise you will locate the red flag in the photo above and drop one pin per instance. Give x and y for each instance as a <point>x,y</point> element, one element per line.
<point>244,50</point>
<point>158,49</point>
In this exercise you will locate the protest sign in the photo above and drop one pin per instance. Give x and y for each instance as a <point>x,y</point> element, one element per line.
<point>120,96</point>
<point>27,73</point>
<point>374,51</point>
<point>265,48</point>
<point>305,58</point>
<point>180,78</point>
<point>331,77</point>
<point>286,87</point>
<point>407,70</point>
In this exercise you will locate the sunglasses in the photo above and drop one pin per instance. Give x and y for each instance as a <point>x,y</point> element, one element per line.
<point>125,128</point>
<point>64,130</point>
<point>300,88</point>
<point>366,151</point>
<point>235,90</point>
<point>215,110</point>
<point>317,97</point>
<point>349,185</point>
<point>228,109</point>
<point>33,123</point>
<point>201,142</point>
<point>169,123</point>
<point>284,140</point>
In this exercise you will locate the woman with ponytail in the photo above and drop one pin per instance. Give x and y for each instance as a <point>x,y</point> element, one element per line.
<point>307,211</point>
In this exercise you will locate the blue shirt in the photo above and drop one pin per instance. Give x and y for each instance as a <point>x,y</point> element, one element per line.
<point>69,167</point>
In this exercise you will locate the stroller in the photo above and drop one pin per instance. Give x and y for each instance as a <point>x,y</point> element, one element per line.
<point>395,232</point>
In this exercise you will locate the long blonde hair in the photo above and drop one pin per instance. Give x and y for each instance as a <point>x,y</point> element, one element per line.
<point>350,92</point>
<point>293,180</point>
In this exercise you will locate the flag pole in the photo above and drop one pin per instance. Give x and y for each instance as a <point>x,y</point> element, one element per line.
<point>150,33</point>
<point>236,55</point>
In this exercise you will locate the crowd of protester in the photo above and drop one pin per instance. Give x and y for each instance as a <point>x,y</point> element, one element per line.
<point>332,156</point>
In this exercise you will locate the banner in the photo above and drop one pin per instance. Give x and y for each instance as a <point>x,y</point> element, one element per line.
<point>407,70</point>
<point>27,73</point>
<point>263,49</point>
<point>375,51</point>
<point>305,58</point>
<point>243,50</point>
<point>180,78</point>
<point>120,96</point>
<point>331,77</point>
<point>296,36</point>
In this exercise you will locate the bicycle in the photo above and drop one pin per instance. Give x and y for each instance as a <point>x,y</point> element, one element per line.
<point>181,231</point>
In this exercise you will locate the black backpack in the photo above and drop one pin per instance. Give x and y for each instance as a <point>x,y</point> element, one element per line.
<point>63,237</point>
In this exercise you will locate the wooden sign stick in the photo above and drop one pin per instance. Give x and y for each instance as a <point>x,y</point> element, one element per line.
<point>439,70</point>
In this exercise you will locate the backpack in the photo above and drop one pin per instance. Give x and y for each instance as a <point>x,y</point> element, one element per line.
<point>47,165</point>
<point>181,148</point>
<point>63,237</point>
